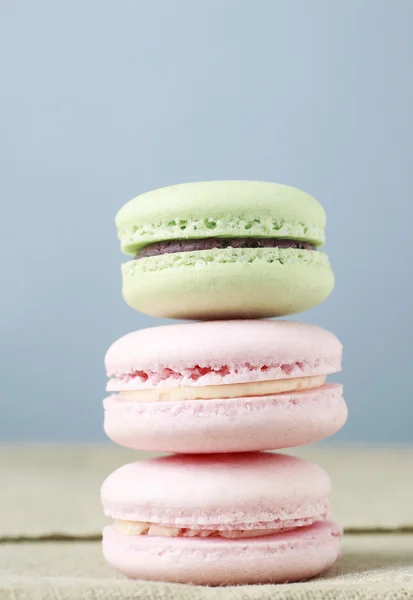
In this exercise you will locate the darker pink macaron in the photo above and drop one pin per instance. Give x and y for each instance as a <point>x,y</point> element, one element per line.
<point>222,354</point>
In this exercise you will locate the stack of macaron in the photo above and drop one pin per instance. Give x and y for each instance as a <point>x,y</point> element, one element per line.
<point>221,392</point>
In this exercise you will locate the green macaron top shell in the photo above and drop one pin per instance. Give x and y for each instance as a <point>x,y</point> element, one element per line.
<point>220,209</point>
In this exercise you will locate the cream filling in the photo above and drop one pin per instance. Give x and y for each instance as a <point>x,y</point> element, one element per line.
<point>235,390</point>
<point>152,529</point>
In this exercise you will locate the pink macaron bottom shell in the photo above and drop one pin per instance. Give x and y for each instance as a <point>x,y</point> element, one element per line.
<point>228,425</point>
<point>290,556</point>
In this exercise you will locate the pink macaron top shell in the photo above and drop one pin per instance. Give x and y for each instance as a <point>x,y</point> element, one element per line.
<point>232,491</point>
<point>220,352</point>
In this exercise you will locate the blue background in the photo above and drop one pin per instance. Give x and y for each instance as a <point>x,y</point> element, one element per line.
<point>103,100</point>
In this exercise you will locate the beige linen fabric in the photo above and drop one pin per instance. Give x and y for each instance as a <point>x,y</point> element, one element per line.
<point>373,567</point>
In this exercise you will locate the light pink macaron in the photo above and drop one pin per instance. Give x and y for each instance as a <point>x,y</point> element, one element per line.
<point>223,386</point>
<point>220,519</point>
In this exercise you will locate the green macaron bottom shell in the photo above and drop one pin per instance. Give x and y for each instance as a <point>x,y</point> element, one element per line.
<point>228,283</point>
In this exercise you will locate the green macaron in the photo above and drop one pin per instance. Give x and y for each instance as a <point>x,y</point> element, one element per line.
<point>224,249</point>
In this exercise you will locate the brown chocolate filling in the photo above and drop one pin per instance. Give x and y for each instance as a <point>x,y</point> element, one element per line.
<point>173,246</point>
